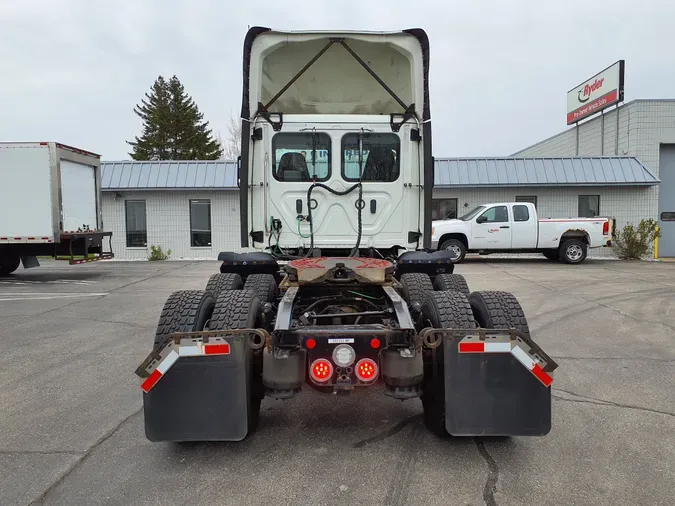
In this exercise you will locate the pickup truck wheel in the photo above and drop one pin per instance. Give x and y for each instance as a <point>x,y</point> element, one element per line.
<point>454,282</point>
<point>455,246</point>
<point>183,311</point>
<point>223,281</point>
<point>241,309</point>
<point>442,310</point>
<point>9,262</point>
<point>573,251</point>
<point>415,285</point>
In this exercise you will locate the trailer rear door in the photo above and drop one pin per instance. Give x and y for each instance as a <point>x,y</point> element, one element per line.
<point>78,196</point>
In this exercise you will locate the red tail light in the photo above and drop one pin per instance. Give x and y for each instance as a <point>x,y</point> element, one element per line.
<point>321,370</point>
<point>366,369</point>
<point>605,228</point>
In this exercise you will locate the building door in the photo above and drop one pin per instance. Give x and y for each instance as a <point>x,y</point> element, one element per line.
<point>667,200</point>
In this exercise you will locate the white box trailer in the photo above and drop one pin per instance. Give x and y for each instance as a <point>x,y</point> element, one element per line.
<point>50,205</point>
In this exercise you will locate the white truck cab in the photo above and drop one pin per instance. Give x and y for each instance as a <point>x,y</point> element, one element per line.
<point>336,143</point>
<point>514,227</point>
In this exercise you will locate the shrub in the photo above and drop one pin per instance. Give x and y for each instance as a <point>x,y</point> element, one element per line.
<point>156,253</point>
<point>636,243</point>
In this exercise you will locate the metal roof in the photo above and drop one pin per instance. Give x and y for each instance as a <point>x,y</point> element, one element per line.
<point>571,171</point>
<point>169,175</point>
<point>449,173</point>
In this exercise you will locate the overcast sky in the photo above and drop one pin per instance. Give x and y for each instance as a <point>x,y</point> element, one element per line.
<point>72,70</point>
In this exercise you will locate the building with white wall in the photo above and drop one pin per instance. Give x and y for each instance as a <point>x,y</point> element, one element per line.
<point>192,208</point>
<point>644,129</point>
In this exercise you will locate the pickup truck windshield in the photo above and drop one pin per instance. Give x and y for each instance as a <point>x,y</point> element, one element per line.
<point>472,213</point>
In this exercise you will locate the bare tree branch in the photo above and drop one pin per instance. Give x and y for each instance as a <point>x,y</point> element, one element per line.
<point>232,143</point>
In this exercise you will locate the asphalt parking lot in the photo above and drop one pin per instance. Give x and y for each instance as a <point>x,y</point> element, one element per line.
<point>72,429</point>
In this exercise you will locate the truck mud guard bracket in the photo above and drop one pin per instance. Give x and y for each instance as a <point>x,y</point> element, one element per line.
<point>497,382</point>
<point>197,386</point>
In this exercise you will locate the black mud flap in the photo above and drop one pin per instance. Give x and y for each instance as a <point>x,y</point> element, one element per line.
<point>200,398</point>
<point>495,393</point>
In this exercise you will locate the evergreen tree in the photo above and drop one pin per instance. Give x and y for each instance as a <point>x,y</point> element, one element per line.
<point>173,127</point>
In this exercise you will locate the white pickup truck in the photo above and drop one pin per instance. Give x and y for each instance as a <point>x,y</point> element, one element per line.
<point>514,227</point>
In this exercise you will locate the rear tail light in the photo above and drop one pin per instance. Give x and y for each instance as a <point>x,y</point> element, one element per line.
<point>366,369</point>
<point>605,228</point>
<point>321,370</point>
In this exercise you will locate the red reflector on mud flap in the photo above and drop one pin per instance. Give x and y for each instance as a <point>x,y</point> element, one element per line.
<point>150,382</point>
<point>475,347</point>
<point>217,349</point>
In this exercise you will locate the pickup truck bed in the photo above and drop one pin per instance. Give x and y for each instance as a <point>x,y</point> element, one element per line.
<point>514,227</point>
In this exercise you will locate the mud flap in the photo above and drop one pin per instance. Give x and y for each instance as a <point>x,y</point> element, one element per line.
<point>202,395</point>
<point>496,387</point>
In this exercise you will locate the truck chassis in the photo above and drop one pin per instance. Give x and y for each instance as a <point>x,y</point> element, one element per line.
<point>341,325</point>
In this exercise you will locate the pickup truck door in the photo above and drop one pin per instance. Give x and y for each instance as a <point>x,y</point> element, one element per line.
<point>491,229</point>
<point>524,227</point>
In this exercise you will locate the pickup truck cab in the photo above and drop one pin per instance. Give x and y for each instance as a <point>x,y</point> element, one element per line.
<point>514,227</point>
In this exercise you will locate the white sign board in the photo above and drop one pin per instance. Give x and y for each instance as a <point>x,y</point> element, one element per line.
<point>599,92</point>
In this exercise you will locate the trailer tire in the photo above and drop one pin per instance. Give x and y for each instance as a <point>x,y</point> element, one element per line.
<point>9,262</point>
<point>573,251</point>
<point>224,281</point>
<point>183,311</point>
<point>415,286</point>
<point>455,282</point>
<point>445,309</point>
<point>241,309</point>
<point>264,286</point>
<point>498,310</point>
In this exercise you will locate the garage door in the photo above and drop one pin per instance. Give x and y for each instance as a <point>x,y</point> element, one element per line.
<point>78,192</point>
<point>667,200</point>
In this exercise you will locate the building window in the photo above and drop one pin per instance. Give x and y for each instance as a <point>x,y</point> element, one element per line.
<point>532,199</point>
<point>589,206</point>
<point>443,209</point>
<point>379,158</point>
<point>200,223</point>
<point>136,223</point>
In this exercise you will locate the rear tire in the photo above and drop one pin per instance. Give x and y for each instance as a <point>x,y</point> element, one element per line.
<point>498,310</point>
<point>573,251</point>
<point>264,286</point>
<point>454,282</point>
<point>9,262</point>
<point>446,309</point>
<point>415,285</point>
<point>224,281</point>
<point>183,311</point>
<point>241,309</point>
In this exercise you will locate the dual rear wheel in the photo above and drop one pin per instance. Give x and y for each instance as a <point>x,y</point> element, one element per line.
<point>226,303</point>
<point>448,303</point>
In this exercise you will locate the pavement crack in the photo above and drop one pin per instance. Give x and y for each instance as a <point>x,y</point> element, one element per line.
<point>388,433</point>
<point>96,320</point>
<point>84,457</point>
<point>490,487</point>
<point>602,402</point>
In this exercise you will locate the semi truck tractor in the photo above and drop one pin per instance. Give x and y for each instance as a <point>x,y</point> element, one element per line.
<point>337,288</point>
<point>50,205</point>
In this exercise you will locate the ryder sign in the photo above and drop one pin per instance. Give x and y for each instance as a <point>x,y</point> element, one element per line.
<point>598,93</point>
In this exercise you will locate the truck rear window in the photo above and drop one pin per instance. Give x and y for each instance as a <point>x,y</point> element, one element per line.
<point>301,156</point>
<point>379,160</point>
